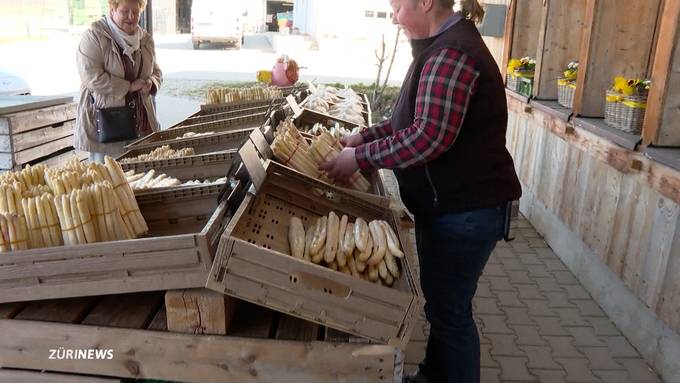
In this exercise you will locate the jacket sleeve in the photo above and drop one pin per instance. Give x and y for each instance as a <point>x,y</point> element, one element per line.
<point>447,83</point>
<point>92,70</point>
<point>156,75</point>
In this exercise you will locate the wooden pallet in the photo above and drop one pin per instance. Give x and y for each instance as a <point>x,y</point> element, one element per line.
<point>164,137</point>
<point>184,229</point>
<point>29,136</point>
<point>260,346</point>
<point>253,262</point>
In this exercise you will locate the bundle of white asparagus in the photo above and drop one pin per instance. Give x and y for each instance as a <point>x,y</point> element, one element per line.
<point>75,204</point>
<point>226,95</point>
<point>153,180</point>
<point>363,250</point>
<point>164,152</point>
<point>193,135</point>
<point>292,150</point>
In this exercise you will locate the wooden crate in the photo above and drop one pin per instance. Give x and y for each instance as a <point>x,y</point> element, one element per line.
<point>252,261</point>
<point>198,167</point>
<point>205,144</point>
<point>203,118</point>
<point>28,136</point>
<point>232,106</point>
<point>324,117</point>
<point>163,137</point>
<point>184,228</point>
<point>260,346</point>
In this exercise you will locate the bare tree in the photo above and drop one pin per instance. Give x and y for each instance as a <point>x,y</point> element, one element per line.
<point>382,55</point>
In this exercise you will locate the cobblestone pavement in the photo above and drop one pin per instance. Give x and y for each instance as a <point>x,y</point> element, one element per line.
<point>537,323</point>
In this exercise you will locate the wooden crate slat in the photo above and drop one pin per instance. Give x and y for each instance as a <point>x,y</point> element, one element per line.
<point>15,123</point>
<point>277,299</point>
<point>139,261</point>
<point>58,310</point>
<point>183,357</point>
<point>291,328</point>
<point>42,136</point>
<point>37,152</point>
<point>26,376</point>
<point>126,311</point>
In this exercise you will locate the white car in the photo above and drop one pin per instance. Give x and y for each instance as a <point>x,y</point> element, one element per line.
<point>217,21</point>
<point>12,84</point>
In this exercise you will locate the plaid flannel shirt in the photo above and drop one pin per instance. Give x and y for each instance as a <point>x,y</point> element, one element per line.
<point>447,82</point>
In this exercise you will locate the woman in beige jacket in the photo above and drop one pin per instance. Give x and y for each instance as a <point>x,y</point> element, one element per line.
<point>114,38</point>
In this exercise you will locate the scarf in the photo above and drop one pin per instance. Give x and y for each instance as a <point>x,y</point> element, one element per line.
<point>129,43</point>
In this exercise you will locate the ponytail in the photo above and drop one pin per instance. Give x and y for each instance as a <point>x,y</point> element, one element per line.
<point>471,9</point>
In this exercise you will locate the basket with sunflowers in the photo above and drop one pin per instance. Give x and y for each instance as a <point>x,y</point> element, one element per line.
<point>626,104</point>
<point>566,85</point>
<point>521,75</point>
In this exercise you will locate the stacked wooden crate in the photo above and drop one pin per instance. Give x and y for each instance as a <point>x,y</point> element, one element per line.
<point>37,135</point>
<point>200,335</point>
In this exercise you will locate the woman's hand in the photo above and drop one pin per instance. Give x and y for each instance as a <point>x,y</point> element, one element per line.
<point>342,167</point>
<point>141,86</point>
<point>352,141</point>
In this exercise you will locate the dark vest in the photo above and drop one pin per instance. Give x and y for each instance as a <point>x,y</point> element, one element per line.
<point>477,171</point>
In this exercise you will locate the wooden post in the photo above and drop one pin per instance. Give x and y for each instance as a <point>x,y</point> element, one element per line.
<point>559,43</point>
<point>662,120</point>
<point>615,43</point>
<point>199,311</point>
<point>508,36</point>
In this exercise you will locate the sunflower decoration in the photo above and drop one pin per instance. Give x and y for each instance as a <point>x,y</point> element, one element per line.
<point>571,72</point>
<point>631,87</point>
<point>523,67</point>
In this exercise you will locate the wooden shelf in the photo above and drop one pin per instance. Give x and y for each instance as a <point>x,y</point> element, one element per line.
<point>598,126</point>
<point>516,95</point>
<point>614,44</point>
<point>559,43</point>
<point>552,108</point>
<point>667,156</point>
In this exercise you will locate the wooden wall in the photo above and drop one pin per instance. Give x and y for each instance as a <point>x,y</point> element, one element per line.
<point>624,207</point>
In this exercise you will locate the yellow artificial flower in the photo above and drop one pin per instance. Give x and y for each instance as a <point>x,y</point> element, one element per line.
<point>513,65</point>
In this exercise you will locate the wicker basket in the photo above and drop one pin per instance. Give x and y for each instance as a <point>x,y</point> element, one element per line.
<point>512,82</point>
<point>565,93</point>
<point>624,117</point>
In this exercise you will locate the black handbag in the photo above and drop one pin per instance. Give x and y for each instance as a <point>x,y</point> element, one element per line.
<point>118,123</point>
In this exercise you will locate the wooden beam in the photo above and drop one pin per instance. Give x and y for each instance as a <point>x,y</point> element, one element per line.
<point>182,357</point>
<point>508,36</point>
<point>559,43</point>
<point>25,376</point>
<point>199,311</point>
<point>663,117</point>
<point>613,44</point>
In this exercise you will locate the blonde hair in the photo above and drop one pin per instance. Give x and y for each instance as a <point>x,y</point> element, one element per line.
<point>116,3</point>
<point>471,8</point>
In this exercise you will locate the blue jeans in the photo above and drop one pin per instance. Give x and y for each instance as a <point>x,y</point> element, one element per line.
<point>453,250</point>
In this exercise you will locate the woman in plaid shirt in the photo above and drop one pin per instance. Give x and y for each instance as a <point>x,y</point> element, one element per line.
<point>446,144</point>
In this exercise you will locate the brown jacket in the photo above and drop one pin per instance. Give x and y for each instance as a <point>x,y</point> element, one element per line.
<point>102,75</point>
